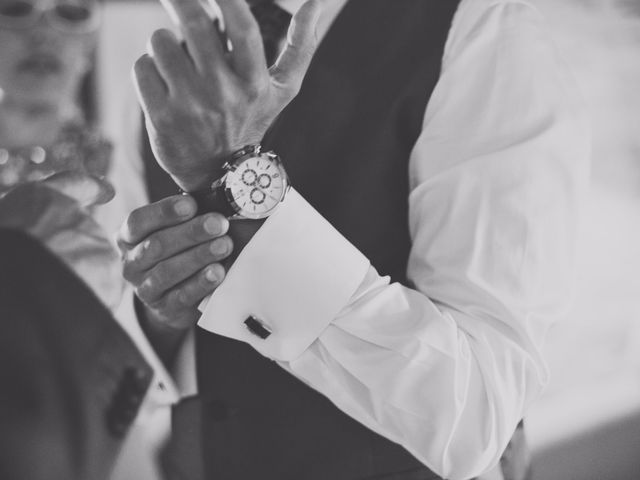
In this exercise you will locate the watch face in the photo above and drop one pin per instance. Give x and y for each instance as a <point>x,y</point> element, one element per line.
<point>256,186</point>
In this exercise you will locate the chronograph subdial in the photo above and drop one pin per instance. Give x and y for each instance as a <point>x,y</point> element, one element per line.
<point>249,177</point>
<point>257,196</point>
<point>264,180</point>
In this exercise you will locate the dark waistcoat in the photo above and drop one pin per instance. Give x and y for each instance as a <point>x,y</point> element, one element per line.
<point>345,141</point>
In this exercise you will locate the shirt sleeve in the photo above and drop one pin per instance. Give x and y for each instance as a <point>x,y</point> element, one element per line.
<point>497,176</point>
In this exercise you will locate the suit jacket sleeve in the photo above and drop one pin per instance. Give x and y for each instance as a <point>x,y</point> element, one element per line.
<point>71,379</point>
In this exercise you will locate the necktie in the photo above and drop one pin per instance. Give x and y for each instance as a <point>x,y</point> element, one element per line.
<point>273,22</point>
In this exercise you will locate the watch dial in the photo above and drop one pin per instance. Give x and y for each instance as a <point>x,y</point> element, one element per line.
<point>257,186</point>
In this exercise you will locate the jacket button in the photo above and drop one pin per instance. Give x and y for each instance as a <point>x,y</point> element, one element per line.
<point>126,401</point>
<point>135,380</point>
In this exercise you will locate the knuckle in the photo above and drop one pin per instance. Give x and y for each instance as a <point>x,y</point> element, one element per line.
<point>251,37</point>
<point>149,250</point>
<point>177,298</point>
<point>158,304</point>
<point>160,277</point>
<point>148,290</point>
<point>131,227</point>
<point>197,230</point>
<point>190,297</point>
<point>198,23</point>
<point>144,292</point>
<point>255,89</point>
<point>252,92</point>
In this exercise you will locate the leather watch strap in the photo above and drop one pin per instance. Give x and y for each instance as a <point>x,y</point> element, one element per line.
<point>213,200</point>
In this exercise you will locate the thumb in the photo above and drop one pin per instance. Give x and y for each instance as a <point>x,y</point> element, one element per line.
<point>86,189</point>
<point>302,41</point>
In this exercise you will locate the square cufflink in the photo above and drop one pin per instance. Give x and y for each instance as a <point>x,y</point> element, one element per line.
<point>258,327</point>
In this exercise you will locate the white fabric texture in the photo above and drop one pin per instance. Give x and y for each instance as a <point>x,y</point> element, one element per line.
<point>497,176</point>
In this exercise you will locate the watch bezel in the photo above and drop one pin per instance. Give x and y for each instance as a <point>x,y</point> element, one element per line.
<point>255,153</point>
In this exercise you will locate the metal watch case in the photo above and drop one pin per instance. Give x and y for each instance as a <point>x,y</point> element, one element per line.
<point>255,183</point>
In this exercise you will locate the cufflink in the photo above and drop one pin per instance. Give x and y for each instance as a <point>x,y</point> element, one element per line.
<point>258,327</point>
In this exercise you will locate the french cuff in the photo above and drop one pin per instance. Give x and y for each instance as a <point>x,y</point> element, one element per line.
<point>290,281</point>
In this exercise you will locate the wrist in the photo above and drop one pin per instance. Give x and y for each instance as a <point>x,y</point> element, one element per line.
<point>197,181</point>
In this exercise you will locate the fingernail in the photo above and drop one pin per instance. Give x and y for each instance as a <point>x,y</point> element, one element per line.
<point>183,207</point>
<point>214,273</point>
<point>219,247</point>
<point>212,226</point>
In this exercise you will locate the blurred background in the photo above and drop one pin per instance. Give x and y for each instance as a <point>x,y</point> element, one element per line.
<point>587,425</point>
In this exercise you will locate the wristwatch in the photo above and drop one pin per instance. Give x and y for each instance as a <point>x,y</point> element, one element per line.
<point>254,185</point>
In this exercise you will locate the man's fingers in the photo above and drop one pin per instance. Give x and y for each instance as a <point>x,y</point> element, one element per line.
<point>173,240</point>
<point>248,59</point>
<point>86,189</point>
<point>171,59</point>
<point>291,67</point>
<point>200,33</point>
<point>146,220</point>
<point>151,89</point>
<point>194,290</point>
<point>173,271</point>
<point>188,294</point>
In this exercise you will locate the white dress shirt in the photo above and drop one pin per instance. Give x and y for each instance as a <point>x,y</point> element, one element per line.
<point>448,368</point>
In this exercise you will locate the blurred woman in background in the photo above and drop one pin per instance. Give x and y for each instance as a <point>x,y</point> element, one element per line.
<point>46,51</point>
<point>46,137</point>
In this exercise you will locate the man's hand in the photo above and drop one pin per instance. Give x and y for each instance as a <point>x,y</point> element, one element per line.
<point>203,102</point>
<point>172,258</point>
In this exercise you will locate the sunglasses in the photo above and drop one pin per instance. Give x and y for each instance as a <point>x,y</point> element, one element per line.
<point>66,16</point>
